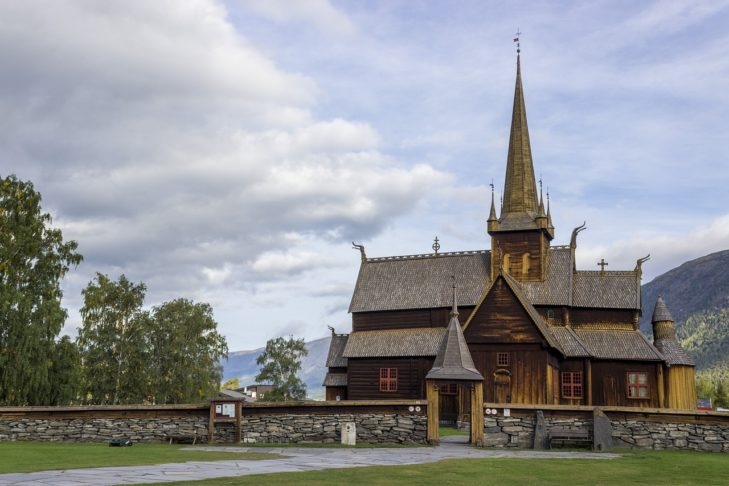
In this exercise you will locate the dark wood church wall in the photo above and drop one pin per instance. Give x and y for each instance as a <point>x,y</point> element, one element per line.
<point>518,244</point>
<point>405,319</point>
<point>363,378</point>
<point>610,384</point>
<point>602,316</point>
<point>501,319</point>
<point>520,380</point>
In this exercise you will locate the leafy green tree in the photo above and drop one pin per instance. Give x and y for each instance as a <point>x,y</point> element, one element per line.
<point>65,373</point>
<point>185,352</point>
<point>230,384</point>
<point>113,341</point>
<point>721,399</point>
<point>280,362</point>
<point>33,260</point>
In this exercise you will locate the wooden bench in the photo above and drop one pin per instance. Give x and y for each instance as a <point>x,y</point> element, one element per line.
<point>182,438</point>
<point>563,437</point>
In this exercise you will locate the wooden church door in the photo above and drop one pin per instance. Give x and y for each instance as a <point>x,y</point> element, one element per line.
<point>502,386</point>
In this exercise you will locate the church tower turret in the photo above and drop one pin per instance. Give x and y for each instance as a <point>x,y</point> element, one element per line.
<point>520,236</point>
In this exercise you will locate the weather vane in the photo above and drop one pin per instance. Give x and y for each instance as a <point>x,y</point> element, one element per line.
<point>516,39</point>
<point>436,245</point>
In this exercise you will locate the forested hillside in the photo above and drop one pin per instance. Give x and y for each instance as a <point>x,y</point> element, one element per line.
<point>697,286</point>
<point>697,294</point>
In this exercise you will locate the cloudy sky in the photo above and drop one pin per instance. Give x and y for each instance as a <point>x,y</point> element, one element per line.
<point>231,151</point>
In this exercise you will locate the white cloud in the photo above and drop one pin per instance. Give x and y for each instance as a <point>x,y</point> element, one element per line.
<point>279,263</point>
<point>320,13</point>
<point>201,146</point>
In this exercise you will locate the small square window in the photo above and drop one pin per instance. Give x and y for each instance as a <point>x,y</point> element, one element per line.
<point>388,379</point>
<point>637,385</point>
<point>502,359</point>
<point>448,389</point>
<point>571,384</point>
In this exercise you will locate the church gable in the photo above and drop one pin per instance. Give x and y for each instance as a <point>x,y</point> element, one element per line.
<point>503,317</point>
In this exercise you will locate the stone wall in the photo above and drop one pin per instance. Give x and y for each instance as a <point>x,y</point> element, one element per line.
<point>148,423</point>
<point>102,430</point>
<point>629,428</point>
<point>376,422</point>
<point>371,428</point>
<point>518,431</point>
<point>652,435</point>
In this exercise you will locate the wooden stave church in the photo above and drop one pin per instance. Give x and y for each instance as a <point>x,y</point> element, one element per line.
<point>537,330</point>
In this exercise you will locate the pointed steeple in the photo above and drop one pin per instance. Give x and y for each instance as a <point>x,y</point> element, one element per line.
<point>454,361</point>
<point>522,207</point>
<point>520,187</point>
<point>492,212</point>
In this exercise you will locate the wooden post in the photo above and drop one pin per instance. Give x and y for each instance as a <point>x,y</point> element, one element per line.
<point>662,402</point>
<point>238,414</point>
<point>431,394</point>
<point>589,382</point>
<point>477,437</point>
<point>211,423</point>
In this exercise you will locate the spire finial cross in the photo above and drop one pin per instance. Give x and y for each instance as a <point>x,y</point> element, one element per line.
<point>436,245</point>
<point>516,39</point>
<point>602,264</point>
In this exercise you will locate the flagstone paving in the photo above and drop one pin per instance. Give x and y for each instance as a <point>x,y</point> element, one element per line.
<point>293,460</point>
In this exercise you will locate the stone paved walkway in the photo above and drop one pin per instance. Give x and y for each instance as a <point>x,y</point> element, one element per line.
<point>296,460</point>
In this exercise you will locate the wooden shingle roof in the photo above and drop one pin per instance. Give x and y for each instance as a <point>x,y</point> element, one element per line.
<point>454,361</point>
<point>673,353</point>
<point>335,358</point>
<point>607,290</point>
<point>422,341</point>
<point>557,286</point>
<point>618,345</point>
<point>419,281</point>
<point>572,346</point>
<point>335,379</point>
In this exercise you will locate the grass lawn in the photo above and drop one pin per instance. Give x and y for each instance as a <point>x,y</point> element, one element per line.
<point>446,431</point>
<point>647,468</point>
<point>43,456</point>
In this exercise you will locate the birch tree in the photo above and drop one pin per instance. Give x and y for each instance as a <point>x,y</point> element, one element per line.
<point>113,342</point>
<point>280,363</point>
<point>34,258</point>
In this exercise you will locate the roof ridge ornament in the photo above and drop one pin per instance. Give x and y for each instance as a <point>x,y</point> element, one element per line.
<point>436,245</point>
<point>361,249</point>
<point>575,232</point>
<point>454,311</point>
<point>639,265</point>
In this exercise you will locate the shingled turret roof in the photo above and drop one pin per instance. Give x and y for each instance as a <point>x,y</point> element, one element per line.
<point>454,361</point>
<point>664,336</point>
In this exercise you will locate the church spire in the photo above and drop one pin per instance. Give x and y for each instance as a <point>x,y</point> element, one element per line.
<point>523,230</point>
<point>492,212</point>
<point>520,187</point>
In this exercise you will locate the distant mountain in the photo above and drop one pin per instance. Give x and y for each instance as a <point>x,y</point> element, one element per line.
<point>242,365</point>
<point>697,294</point>
<point>696,286</point>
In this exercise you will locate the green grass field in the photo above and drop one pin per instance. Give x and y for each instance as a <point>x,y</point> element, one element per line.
<point>43,456</point>
<point>635,468</point>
